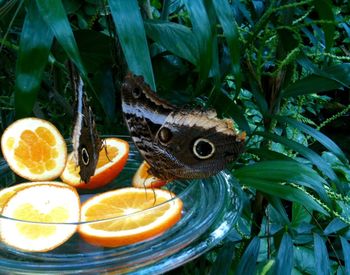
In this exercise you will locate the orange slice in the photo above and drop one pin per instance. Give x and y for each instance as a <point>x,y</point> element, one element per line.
<point>128,215</point>
<point>142,179</point>
<point>34,149</point>
<point>38,217</point>
<point>8,192</point>
<point>111,161</point>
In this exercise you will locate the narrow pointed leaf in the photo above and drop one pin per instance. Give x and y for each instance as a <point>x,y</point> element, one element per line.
<point>322,265</point>
<point>318,161</point>
<point>202,30</point>
<point>321,138</point>
<point>325,11</point>
<point>55,17</point>
<point>176,38</point>
<point>35,44</point>
<point>224,259</point>
<point>132,36</point>
<point>284,259</point>
<point>334,226</point>
<point>229,26</point>
<point>282,191</point>
<point>334,77</point>
<point>247,264</point>
<point>346,252</point>
<point>278,171</point>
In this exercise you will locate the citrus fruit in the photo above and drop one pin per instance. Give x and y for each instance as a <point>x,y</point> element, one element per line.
<point>128,215</point>
<point>111,161</point>
<point>142,179</point>
<point>34,149</point>
<point>37,217</point>
<point>8,192</point>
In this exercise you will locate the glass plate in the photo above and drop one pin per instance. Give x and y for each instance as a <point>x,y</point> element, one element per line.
<point>210,208</point>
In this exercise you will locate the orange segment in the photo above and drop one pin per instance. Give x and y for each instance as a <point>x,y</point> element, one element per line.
<point>34,149</point>
<point>43,216</point>
<point>143,179</point>
<point>112,159</point>
<point>128,215</point>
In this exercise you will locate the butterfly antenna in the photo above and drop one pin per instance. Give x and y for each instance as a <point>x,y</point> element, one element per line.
<point>104,146</point>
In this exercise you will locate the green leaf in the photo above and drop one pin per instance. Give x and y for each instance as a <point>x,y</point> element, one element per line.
<point>334,77</point>
<point>131,33</point>
<point>284,259</point>
<point>35,44</point>
<point>346,252</point>
<point>202,30</point>
<point>283,191</point>
<point>325,11</point>
<point>229,26</point>
<point>300,215</point>
<point>247,264</point>
<point>319,162</point>
<point>323,139</point>
<point>334,226</point>
<point>55,17</point>
<point>322,265</point>
<point>266,154</point>
<point>223,260</point>
<point>283,171</point>
<point>176,38</point>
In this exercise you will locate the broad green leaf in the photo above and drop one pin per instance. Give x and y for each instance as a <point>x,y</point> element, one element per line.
<point>176,38</point>
<point>282,191</point>
<point>229,26</point>
<point>278,171</point>
<point>322,265</point>
<point>237,114</point>
<point>284,259</point>
<point>346,252</point>
<point>35,44</point>
<point>334,226</point>
<point>247,264</point>
<point>321,138</point>
<point>281,214</point>
<point>131,33</point>
<point>224,259</point>
<point>334,77</point>
<point>325,11</point>
<point>319,162</point>
<point>55,17</point>
<point>202,30</point>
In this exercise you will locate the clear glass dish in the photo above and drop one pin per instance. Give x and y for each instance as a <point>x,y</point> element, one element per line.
<point>210,208</point>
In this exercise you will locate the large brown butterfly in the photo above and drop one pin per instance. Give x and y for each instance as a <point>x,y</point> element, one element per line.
<point>177,143</point>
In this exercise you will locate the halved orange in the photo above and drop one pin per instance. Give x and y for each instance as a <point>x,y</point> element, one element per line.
<point>34,149</point>
<point>111,161</point>
<point>40,217</point>
<point>143,179</point>
<point>128,215</point>
<point>8,192</point>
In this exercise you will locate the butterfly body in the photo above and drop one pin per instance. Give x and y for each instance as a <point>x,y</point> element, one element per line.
<point>177,143</point>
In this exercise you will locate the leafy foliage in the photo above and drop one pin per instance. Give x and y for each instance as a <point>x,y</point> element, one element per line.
<point>278,68</point>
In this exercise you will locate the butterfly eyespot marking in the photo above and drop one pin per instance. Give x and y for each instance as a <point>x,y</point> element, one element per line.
<point>165,135</point>
<point>85,156</point>
<point>136,92</point>
<point>203,148</point>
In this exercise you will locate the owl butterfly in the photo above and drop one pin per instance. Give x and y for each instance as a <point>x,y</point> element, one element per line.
<point>86,142</point>
<point>177,143</point>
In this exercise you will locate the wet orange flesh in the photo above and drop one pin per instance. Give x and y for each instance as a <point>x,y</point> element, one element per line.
<point>102,159</point>
<point>144,171</point>
<point>36,150</point>
<point>125,205</point>
<point>27,212</point>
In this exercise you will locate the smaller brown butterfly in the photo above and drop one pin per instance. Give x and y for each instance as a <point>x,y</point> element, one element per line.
<point>86,142</point>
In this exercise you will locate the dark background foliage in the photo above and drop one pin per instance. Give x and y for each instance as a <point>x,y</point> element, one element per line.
<point>279,68</point>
